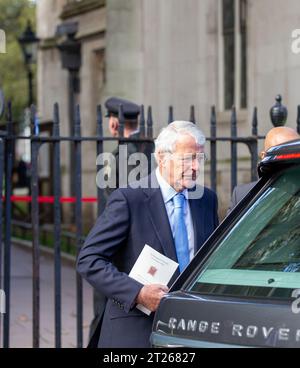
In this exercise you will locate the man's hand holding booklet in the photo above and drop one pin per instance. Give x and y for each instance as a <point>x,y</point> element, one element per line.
<point>152,268</point>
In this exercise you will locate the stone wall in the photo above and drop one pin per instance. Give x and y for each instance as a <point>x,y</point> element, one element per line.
<point>163,53</point>
<point>53,83</point>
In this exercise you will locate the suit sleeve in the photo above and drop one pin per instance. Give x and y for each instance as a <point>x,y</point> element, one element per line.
<point>94,261</point>
<point>216,217</point>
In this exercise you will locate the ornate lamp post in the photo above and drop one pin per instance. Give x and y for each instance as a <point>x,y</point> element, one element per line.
<point>29,44</point>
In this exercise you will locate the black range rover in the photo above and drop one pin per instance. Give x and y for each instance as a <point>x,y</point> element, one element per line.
<point>242,289</point>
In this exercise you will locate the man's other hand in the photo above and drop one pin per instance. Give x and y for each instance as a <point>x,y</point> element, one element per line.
<point>150,296</point>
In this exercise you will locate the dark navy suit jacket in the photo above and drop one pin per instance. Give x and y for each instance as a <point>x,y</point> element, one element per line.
<point>133,218</point>
<point>239,192</point>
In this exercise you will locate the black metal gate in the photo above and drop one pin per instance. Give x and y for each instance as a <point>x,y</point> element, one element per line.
<point>7,142</point>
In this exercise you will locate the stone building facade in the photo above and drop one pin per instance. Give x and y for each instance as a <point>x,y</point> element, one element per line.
<point>174,52</point>
<point>53,82</point>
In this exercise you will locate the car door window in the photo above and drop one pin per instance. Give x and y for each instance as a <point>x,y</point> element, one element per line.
<point>260,256</point>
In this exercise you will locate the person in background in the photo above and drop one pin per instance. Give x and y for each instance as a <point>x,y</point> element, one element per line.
<point>274,137</point>
<point>131,113</point>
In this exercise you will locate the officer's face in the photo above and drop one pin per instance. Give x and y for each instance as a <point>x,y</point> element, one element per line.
<point>181,168</point>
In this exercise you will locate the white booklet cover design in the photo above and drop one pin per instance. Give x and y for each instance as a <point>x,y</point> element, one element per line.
<point>152,267</point>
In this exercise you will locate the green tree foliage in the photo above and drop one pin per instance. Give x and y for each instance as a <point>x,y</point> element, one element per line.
<point>14,15</point>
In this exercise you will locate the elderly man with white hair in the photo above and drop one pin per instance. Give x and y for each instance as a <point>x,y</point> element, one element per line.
<point>170,212</point>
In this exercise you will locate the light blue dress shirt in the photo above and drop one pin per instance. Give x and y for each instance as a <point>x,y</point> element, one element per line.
<point>168,193</point>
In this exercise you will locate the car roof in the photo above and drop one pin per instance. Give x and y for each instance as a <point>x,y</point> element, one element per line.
<point>280,156</point>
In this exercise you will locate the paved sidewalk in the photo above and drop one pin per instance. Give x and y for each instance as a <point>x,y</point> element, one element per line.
<point>21,302</point>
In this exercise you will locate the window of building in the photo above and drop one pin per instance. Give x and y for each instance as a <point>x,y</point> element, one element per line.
<point>233,51</point>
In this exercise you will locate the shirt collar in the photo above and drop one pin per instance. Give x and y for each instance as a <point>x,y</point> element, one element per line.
<point>167,191</point>
<point>134,133</point>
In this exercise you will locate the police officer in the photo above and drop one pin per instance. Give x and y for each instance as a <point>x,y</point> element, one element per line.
<point>131,112</point>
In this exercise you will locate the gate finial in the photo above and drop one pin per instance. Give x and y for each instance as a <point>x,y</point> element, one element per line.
<point>278,113</point>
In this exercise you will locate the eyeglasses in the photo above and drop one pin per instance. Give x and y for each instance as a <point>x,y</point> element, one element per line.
<point>189,158</point>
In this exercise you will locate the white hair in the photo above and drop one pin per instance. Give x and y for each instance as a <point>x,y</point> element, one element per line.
<point>168,137</point>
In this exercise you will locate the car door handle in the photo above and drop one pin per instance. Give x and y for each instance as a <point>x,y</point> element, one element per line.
<point>174,346</point>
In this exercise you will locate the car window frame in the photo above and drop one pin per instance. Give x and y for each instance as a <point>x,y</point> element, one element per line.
<point>184,281</point>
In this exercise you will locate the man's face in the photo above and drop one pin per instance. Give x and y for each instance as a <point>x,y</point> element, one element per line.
<point>181,168</point>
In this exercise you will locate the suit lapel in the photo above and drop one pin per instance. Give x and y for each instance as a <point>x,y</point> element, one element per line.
<point>160,221</point>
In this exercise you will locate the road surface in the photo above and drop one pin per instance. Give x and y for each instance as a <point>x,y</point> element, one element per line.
<point>21,302</point>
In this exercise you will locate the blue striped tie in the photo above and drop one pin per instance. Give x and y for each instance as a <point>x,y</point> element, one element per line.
<point>181,236</point>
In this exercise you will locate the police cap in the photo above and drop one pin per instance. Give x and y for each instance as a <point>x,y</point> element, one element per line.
<point>131,110</point>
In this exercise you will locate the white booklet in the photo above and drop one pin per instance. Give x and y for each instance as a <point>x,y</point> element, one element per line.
<point>152,268</point>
